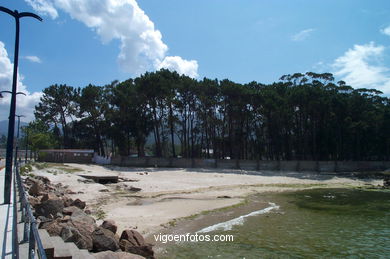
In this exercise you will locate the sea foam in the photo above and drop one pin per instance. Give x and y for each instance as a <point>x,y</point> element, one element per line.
<point>228,225</point>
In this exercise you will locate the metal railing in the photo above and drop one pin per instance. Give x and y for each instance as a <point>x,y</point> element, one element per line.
<point>30,231</point>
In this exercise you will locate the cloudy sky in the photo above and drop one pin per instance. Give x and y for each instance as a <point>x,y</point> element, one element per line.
<point>97,41</point>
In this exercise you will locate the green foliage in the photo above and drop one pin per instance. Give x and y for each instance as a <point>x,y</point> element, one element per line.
<point>100,214</point>
<point>40,166</point>
<point>25,170</point>
<point>301,117</point>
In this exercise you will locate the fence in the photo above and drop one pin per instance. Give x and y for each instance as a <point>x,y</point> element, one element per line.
<point>30,231</point>
<point>259,165</point>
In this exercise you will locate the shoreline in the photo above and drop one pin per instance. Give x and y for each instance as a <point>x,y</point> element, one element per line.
<point>168,196</point>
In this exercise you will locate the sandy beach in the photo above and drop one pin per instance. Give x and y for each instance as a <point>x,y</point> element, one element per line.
<point>148,199</point>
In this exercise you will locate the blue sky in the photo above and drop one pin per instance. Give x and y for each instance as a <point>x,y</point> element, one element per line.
<point>97,41</point>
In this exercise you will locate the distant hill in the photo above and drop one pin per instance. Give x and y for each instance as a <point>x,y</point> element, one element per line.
<point>4,126</point>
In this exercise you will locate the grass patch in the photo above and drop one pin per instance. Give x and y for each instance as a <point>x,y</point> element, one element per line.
<point>53,172</point>
<point>44,165</point>
<point>25,170</point>
<point>70,170</point>
<point>100,214</point>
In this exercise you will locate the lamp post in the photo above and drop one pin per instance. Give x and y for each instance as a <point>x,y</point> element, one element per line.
<point>17,140</point>
<point>26,157</point>
<point>11,122</point>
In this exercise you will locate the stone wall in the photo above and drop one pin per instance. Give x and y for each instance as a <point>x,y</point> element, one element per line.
<point>262,165</point>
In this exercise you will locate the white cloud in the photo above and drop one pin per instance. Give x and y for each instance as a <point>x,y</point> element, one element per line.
<point>361,67</point>
<point>43,7</point>
<point>24,104</point>
<point>386,31</point>
<point>180,65</point>
<point>302,35</point>
<point>33,59</point>
<point>141,45</point>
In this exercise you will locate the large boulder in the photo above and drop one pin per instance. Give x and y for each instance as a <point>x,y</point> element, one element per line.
<point>117,255</point>
<point>104,239</point>
<point>72,234</point>
<point>49,196</point>
<point>53,227</point>
<point>71,210</point>
<point>110,225</point>
<point>133,242</point>
<point>43,179</point>
<point>77,228</point>
<point>33,201</point>
<point>49,208</point>
<point>134,237</point>
<point>85,225</point>
<point>36,188</point>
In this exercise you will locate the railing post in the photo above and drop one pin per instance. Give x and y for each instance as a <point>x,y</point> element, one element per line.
<point>31,244</point>
<point>15,240</point>
<point>25,228</point>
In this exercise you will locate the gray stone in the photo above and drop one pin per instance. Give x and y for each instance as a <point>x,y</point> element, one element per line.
<point>110,225</point>
<point>103,240</point>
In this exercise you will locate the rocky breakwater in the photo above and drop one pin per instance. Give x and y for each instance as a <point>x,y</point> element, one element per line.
<point>68,218</point>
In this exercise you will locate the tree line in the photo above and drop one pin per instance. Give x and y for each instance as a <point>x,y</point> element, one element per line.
<point>302,116</point>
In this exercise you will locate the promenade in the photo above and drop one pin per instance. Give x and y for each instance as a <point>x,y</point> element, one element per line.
<point>6,217</point>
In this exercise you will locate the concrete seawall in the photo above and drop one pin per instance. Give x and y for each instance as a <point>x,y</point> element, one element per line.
<point>261,165</point>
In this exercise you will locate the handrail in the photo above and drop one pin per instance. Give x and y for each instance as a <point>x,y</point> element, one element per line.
<point>31,234</point>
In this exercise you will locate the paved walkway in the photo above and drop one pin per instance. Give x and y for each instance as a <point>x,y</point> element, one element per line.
<point>6,217</point>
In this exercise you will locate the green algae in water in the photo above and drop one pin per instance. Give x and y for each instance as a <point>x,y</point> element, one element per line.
<point>319,223</point>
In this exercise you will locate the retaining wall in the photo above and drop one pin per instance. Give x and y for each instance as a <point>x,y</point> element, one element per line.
<point>262,165</point>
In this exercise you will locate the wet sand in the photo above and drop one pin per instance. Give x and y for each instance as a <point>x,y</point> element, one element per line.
<point>167,194</point>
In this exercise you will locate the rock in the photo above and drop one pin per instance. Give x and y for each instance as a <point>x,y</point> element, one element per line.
<point>70,210</point>
<point>85,225</point>
<point>49,196</point>
<point>54,227</point>
<point>117,255</point>
<point>42,220</point>
<point>36,188</point>
<point>88,212</point>
<point>65,219</point>
<point>78,203</point>
<point>43,179</point>
<point>81,213</point>
<point>145,250</point>
<point>67,201</point>
<point>49,208</point>
<point>134,189</point>
<point>103,240</point>
<point>133,242</point>
<point>104,190</point>
<point>110,225</point>
<point>33,201</point>
<point>133,236</point>
<point>72,234</point>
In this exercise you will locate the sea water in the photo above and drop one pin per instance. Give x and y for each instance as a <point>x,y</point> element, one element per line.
<point>318,223</point>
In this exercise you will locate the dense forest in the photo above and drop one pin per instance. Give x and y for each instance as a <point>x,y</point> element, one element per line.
<point>302,116</point>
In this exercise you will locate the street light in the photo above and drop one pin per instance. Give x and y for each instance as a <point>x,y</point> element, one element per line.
<point>17,140</point>
<point>11,122</point>
<point>26,156</point>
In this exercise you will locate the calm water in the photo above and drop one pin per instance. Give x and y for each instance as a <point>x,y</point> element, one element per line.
<point>321,223</point>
